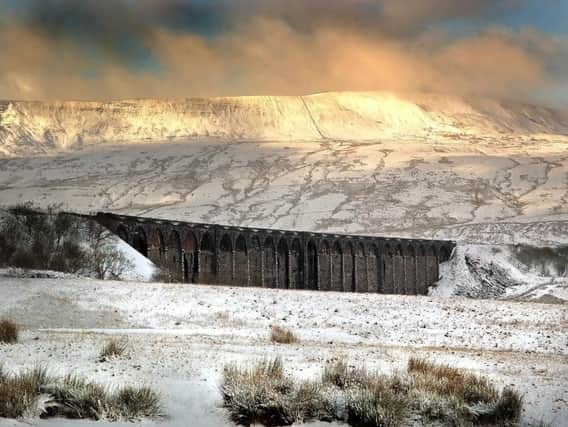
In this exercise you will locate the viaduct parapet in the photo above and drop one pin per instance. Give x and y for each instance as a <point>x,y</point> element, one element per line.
<point>241,256</point>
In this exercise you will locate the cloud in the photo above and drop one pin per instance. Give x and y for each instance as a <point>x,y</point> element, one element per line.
<point>126,49</point>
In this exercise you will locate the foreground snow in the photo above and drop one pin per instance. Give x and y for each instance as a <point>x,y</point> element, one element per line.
<point>181,336</point>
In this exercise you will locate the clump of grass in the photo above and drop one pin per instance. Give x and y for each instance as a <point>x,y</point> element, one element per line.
<point>426,393</point>
<point>112,349</point>
<point>343,376</point>
<point>263,394</point>
<point>34,393</point>
<point>281,335</point>
<point>21,395</point>
<point>445,393</point>
<point>376,406</point>
<point>9,331</point>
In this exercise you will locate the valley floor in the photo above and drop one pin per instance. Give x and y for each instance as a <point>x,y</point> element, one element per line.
<point>181,336</point>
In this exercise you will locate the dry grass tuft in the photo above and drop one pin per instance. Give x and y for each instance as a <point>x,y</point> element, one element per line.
<point>263,394</point>
<point>8,331</point>
<point>113,349</point>
<point>343,376</point>
<point>34,393</point>
<point>21,395</point>
<point>282,335</point>
<point>456,396</point>
<point>445,380</point>
<point>426,394</point>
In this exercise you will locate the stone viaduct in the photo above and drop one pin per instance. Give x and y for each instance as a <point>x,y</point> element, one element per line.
<point>240,256</point>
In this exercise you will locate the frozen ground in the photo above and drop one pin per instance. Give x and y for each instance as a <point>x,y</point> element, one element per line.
<point>181,336</point>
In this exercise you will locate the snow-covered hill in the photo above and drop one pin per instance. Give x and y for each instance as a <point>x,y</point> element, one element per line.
<point>28,127</point>
<point>476,170</point>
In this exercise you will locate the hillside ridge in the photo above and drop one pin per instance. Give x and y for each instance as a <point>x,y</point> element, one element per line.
<point>28,127</point>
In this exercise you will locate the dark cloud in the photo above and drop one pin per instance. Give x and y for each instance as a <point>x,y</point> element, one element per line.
<point>145,48</point>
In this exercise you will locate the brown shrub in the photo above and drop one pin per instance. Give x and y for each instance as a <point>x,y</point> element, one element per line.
<point>8,331</point>
<point>281,335</point>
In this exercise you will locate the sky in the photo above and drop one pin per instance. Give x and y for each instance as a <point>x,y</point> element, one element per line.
<point>114,49</point>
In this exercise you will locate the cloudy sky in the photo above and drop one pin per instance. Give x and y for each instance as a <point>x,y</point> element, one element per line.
<point>103,49</point>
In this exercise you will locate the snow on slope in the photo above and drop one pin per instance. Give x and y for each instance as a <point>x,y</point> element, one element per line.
<point>27,127</point>
<point>489,271</point>
<point>475,170</point>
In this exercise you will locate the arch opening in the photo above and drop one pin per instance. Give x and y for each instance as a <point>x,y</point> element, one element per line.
<point>388,269</point>
<point>282,263</point>
<point>336,267</point>
<point>269,268</point>
<point>225,274</point>
<point>207,259</point>
<point>255,262</point>
<point>241,262</point>
<point>348,269</point>
<point>190,261</point>
<point>373,270</point>
<point>296,279</point>
<point>157,247</point>
<point>360,265</point>
<point>313,267</point>
<point>325,267</point>
<point>139,241</point>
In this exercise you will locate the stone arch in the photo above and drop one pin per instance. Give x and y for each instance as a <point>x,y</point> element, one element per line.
<point>336,267</point>
<point>421,286</point>
<point>139,241</point>
<point>282,263</point>
<point>226,267</point>
<point>190,261</point>
<point>241,261</point>
<point>173,260</point>
<point>410,287</point>
<point>122,232</point>
<point>296,262</point>
<point>431,266</point>
<point>157,247</point>
<point>313,267</point>
<point>255,261</point>
<point>360,266</point>
<point>270,272</point>
<point>348,268</point>
<point>207,259</point>
<point>399,271</point>
<point>373,270</point>
<point>325,266</point>
<point>388,269</point>
<point>445,253</point>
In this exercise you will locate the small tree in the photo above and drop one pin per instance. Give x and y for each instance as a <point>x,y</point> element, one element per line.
<point>53,240</point>
<point>105,260</point>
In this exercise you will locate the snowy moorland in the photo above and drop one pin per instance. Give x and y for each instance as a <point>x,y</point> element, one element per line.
<point>483,172</point>
<point>181,336</point>
<point>475,170</point>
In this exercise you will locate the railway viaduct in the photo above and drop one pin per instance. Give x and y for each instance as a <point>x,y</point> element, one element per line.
<point>240,256</point>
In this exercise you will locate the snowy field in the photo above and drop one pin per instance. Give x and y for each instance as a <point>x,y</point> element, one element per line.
<point>181,336</point>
